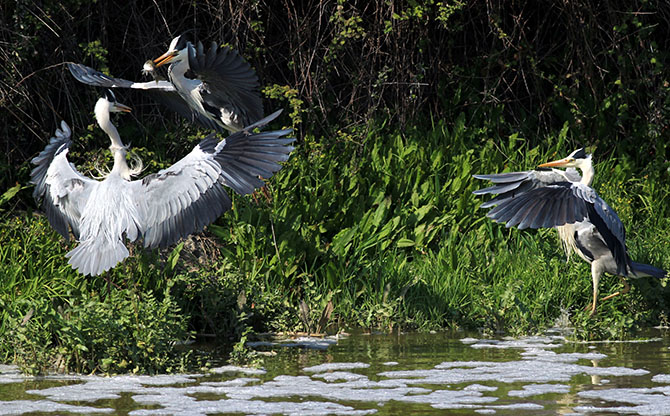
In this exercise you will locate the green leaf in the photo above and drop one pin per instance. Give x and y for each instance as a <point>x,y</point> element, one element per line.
<point>405,242</point>
<point>10,193</point>
<point>342,239</point>
<point>173,258</point>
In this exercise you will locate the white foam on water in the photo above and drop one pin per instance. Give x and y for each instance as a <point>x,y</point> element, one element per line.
<point>362,390</point>
<point>19,407</point>
<point>10,374</point>
<point>242,381</point>
<point>553,341</point>
<point>315,343</point>
<point>545,355</point>
<point>661,378</point>
<point>449,399</point>
<point>643,401</point>
<point>537,389</point>
<point>340,375</point>
<point>181,405</point>
<point>523,371</point>
<point>620,341</point>
<point>94,388</point>
<point>449,385</point>
<point>335,366</point>
<point>390,363</point>
<point>235,369</point>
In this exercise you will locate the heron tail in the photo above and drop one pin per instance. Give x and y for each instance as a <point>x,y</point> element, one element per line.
<point>93,257</point>
<point>641,269</point>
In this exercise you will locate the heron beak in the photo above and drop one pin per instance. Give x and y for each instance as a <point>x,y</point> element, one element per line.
<point>555,164</point>
<point>122,107</point>
<point>165,58</point>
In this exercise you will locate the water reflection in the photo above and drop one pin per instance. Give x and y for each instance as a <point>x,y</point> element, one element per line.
<point>382,374</point>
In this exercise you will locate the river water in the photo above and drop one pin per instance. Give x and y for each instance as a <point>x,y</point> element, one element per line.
<point>452,373</point>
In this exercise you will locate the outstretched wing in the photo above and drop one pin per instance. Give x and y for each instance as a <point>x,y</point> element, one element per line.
<point>536,198</point>
<point>552,198</point>
<point>90,76</point>
<point>190,194</point>
<point>229,82</point>
<point>160,90</point>
<point>59,187</point>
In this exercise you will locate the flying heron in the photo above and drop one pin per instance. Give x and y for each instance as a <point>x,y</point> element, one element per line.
<point>161,208</point>
<point>562,199</point>
<point>216,88</point>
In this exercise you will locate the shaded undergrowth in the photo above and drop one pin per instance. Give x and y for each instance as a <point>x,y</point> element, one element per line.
<point>380,234</point>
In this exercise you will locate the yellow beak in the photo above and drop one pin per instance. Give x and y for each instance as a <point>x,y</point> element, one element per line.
<point>123,107</point>
<point>165,58</point>
<point>555,164</point>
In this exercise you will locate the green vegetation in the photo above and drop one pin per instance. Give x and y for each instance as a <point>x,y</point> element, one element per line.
<point>372,222</point>
<point>388,231</point>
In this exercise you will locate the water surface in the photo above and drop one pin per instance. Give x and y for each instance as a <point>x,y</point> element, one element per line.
<point>384,375</point>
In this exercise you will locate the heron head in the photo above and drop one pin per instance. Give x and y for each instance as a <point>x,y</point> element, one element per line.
<point>575,159</point>
<point>175,53</point>
<point>108,104</point>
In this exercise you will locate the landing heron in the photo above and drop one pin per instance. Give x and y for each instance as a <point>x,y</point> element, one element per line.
<point>160,208</point>
<point>562,199</point>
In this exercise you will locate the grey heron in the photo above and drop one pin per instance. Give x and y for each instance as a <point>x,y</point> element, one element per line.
<point>216,88</point>
<point>160,208</point>
<point>562,199</point>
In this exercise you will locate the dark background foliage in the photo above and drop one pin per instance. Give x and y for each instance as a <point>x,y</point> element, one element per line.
<point>521,66</point>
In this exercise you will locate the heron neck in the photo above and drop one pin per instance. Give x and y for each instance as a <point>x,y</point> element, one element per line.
<point>106,125</point>
<point>179,68</point>
<point>120,164</point>
<point>587,172</point>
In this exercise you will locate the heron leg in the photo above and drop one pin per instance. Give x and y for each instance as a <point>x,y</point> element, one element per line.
<point>626,288</point>
<point>596,271</point>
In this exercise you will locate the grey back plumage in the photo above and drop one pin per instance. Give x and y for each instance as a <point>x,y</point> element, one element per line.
<point>553,198</point>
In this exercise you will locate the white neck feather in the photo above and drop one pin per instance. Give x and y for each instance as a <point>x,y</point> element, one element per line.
<point>587,171</point>
<point>102,116</point>
<point>117,147</point>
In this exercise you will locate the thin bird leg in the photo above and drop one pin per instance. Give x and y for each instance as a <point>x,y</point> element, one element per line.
<point>626,288</point>
<point>595,273</point>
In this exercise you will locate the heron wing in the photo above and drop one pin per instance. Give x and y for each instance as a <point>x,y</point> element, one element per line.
<point>551,198</point>
<point>228,81</point>
<point>536,198</point>
<point>90,76</point>
<point>160,90</point>
<point>59,187</point>
<point>190,194</point>
<point>612,231</point>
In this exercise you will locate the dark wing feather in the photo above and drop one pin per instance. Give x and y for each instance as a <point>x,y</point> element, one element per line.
<point>229,81</point>
<point>535,199</point>
<point>161,91</point>
<point>90,76</point>
<point>609,226</point>
<point>190,194</point>
<point>176,103</point>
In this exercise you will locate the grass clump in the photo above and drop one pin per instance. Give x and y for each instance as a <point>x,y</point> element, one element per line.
<point>89,334</point>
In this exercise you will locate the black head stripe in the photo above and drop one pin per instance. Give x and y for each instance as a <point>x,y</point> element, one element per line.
<point>109,95</point>
<point>184,39</point>
<point>579,154</point>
